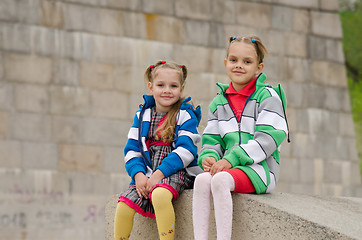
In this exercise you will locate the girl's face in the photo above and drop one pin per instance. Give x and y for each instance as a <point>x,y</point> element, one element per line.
<point>166,89</point>
<point>242,64</point>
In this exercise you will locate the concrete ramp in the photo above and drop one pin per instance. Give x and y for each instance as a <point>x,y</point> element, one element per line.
<point>269,216</point>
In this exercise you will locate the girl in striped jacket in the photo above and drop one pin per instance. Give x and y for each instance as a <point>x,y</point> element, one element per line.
<point>240,144</point>
<point>161,152</point>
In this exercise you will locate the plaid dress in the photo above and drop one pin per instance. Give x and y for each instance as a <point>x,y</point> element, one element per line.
<point>176,183</point>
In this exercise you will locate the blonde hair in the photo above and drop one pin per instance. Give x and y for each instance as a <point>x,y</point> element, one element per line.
<point>260,49</point>
<point>167,129</point>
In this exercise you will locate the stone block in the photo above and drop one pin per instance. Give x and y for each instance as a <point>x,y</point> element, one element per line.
<point>329,74</point>
<point>334,51</point>
<point>333,99</point>
<point>224,11</point>
<point>198,59</point>
<point>28,11</point>
<point>302,120</point>
<point>4,124</point>
<point>197,32</point>
<point>309,4</point>
<point>256,15</point>
<point>28,68</point>
<point>273,68</point>
<point>29,126</point>
<point>296,45</point>
<point>84,2</point>
<point>31,98</point>
<point>52,42</point>
<point>114,159</point>
<point>326,24</point>
<point>333,172</point>
<point>8,10</point>
<point>164,7</point>
<point>317,47</point>
<point>17,37</point>
<point>289,170</point>
<point>109,104</point>
<point>238,30</point>
<point>149,52</point>
<point>70,101</point>
<point>345,100</point>
<point>105,132</point>
<point>134,104</point>
<point>111,49</point>
<point>52,14</point>
<point>97,75</point>
<point>193,9</point>
<point>298,70</point>
<point>346,125</point>
<point>165,29</point>
<point>198,86</point>
<point>81,18</point>
<point>297,94</point>
<point>301,147</point>
<point>282,18</point>
<point>329,5</point>
<point>66,72</point>
<point>80,158</point>
<point>218,56</point>
<point>6,96</point>
<point>1,63</point>
<point>67,129</point>
<point>129,79</point>
<point>134,25</point>
<point>134,5</point>
<point>110,22</point>
<point>217,37</point>
<point>11,153</point>
<point>40,156</point>
<point>301,20</point>
<point>274,41</point>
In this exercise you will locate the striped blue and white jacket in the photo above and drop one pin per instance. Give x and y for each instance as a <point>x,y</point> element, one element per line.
<point>184,149</point>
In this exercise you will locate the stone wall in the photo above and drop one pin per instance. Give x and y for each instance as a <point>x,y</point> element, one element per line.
<point>71,78</point>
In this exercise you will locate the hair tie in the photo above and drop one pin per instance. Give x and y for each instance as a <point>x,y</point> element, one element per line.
<point>181,66</point>
<point>233,38</point>
<point>152,66</point>
<point>253,40</point>
<point>163,62</point>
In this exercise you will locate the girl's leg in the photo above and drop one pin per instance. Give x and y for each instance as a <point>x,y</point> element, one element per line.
<point>201,206</point>
<point>165,214</point>
<point>123,221</point>
<point>222,184</point>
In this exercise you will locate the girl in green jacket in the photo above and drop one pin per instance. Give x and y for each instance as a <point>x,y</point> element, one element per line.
<point>240,144</point>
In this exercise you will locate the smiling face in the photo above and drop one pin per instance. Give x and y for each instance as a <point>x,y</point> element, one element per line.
<point>242,64</point>
<point>165,88</point>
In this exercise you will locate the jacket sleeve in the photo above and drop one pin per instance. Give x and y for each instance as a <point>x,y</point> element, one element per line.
<point>134,162</point>
<point>212,143</point>
<point>270,131</point>
<point>185,149</point>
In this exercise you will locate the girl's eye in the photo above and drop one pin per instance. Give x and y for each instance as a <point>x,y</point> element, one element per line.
<point>174,86</point>
<point>159,85</point>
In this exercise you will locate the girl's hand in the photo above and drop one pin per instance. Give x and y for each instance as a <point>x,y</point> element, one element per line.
<point>156,177</point>
<point>141,182</point>
<point>207,163</point>
<point>220,165</point>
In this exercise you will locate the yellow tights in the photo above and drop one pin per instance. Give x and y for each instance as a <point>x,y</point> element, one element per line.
<point>165,216</point>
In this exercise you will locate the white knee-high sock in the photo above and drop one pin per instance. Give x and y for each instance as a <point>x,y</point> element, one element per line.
<point>222,184</point>
<point>201,206</point>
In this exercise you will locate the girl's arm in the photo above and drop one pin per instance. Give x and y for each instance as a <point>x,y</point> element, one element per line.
<point>185,149</point>
<point>212,143</point>
<point>270,131</point>
<point>133,157</point>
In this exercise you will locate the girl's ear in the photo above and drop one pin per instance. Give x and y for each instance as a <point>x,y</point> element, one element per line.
<point>149,85</point>
<point>260,68</point>
<point>182,88</point>
<point>225,61</point>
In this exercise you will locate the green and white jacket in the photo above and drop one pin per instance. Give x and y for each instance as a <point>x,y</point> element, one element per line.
<point>252,144</point>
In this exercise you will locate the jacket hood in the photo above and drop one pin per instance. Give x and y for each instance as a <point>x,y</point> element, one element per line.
<point>149,101</point>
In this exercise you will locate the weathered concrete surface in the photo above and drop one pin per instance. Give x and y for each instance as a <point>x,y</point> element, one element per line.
<point>271,216</point>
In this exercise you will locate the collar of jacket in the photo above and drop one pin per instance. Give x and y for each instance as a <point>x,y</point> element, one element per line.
<point>149,101</point>
<point>259,83</point>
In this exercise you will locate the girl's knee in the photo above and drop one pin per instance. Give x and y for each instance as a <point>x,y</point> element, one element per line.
<point>203,179</point>
<point>222,180</point>
<point>160,196</point>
